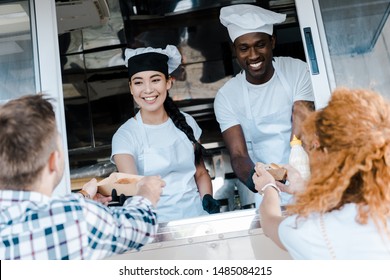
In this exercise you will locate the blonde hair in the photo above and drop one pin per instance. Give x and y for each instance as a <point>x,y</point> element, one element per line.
<point>352,162</point>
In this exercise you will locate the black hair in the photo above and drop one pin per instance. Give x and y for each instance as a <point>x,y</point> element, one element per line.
<point>180,122</point>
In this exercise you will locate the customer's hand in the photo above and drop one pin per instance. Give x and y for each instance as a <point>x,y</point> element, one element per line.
<point>151,187</point>
<point>262,177</point>
<point>296,182</point>
<point>91,188</point>
<point>102,199</point>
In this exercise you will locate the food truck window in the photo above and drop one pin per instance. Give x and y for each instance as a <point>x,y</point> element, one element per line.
<point>28,66</point>
<point>18,75</point>
<point>358,38</point>
<point>351,40</point>
<point>96,94</point>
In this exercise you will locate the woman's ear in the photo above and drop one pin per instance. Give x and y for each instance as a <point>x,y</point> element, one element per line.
<point>387,155</point>
<point>315,143</point>
<point>169,83</point>
<point>130,88</point>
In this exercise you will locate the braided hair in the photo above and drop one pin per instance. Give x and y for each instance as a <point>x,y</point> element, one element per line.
<point>180,122</point>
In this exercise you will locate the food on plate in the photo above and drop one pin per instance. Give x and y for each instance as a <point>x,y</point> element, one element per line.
<point>279,173</point>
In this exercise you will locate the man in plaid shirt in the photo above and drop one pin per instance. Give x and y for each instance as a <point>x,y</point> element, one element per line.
<point>34,225</point>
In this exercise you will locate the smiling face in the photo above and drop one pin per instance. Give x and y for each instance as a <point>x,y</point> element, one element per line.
<point>149,89</point>
<point>254,54</point>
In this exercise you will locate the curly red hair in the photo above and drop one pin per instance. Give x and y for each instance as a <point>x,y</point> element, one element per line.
<point>352,162</point>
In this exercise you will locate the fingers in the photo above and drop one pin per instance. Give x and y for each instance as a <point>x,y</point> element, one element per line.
<point>91,183</point>
<point>90,187</point>
<point>260,167</point>
<point>261,171</point>
<point>153,180</point>
<point>282,187</point>
<point>296,182</point>
<point>261,177</point>
<point>290,169</point>
<point>102,199</point>
<point>151,187</point>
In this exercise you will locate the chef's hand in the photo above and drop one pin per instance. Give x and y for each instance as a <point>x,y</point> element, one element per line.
<point>296,182</point>
<point>91,188</point>
<point>261,177</point>
<point>210,205</point>
<point>151,187</point>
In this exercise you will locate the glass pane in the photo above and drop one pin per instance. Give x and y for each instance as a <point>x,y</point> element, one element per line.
<point>17,73</point>
<point>358,35</point>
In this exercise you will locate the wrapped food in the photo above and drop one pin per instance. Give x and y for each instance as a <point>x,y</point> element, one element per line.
<point>123,183</point>
<point>279,173</point>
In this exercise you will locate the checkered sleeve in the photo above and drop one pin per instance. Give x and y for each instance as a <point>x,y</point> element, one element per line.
<point>119,229</point>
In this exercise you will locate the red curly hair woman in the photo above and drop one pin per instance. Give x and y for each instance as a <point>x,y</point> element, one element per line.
<point>343,210</point>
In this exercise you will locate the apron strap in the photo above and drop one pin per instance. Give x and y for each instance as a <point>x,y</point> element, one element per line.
<point>142,129</point>
<point>283,80</point>
<point>245,92</point>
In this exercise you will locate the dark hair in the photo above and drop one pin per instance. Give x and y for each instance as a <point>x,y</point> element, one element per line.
<point>180,122</point>
<point>28,136</point>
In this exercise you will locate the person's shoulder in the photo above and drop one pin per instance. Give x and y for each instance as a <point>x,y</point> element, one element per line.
<point>291,67</point>
<point>230,90</point>
<point>130,122</point>
<point>232,82</point>
<point>288,60</point>
<point>186,114</point>
<point>128,125</point>
<point>128,131</point>
<point>190,119</point>
<point>297,222</point>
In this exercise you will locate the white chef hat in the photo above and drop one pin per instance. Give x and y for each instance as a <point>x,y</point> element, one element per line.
<point>244,18</point>
<point>143,59</point>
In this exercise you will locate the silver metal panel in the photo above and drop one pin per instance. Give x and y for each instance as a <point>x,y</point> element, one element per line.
<point>230,235</point>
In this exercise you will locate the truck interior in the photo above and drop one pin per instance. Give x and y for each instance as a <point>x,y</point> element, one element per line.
<point>95,83</point>
<point>92,37</point>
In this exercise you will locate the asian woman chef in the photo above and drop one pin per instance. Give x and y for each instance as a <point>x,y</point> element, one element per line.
<point>161,140</point>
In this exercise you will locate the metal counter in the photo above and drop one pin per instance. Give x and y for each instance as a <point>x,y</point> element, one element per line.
<point>223,236</point>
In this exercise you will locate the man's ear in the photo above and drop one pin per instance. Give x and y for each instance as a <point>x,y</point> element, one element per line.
<point>273,41</point>
<point>233,49</point>
<point>54,161</point>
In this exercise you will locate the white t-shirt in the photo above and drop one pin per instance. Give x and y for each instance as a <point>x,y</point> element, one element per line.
<point>269,103</point>
<point>266,99</point>
<point>128,140</point>
<point>349,240</point>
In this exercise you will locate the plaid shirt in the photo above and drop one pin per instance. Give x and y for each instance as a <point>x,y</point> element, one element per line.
<point>35,226</point>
